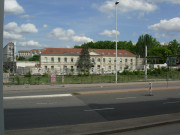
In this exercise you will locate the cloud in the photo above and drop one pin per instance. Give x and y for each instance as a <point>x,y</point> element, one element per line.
<point>68,35</point>
<point>62,34</point>
<point>81,39</point>
<point>15,32</point>
<point>109,33</point>
<point>12,36</point>
<point>168,1</point>
<point>172,25</point>
<point>25,16</point>
<point>24,28</point>
<point>31,43</point>
<point>45,26</point>
<point>127,6</point>
<point>12,7</point>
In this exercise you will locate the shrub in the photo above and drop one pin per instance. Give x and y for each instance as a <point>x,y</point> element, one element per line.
<point>28,74</point>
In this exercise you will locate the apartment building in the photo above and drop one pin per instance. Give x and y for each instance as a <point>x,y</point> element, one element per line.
<point>63,60</point>
<point>29,53</point>
<point>9,52</point>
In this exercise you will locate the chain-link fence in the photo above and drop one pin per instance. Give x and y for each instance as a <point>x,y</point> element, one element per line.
<point>34,80</point>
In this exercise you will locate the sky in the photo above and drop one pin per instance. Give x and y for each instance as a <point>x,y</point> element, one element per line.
<point>34,24</point>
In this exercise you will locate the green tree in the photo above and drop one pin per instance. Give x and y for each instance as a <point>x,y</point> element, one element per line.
<point>174,46</point>
<point>144,40</point>
<point>21,58</point>
<point>110,45</point>
<point>35,58</point>
<point>84,62</point>
<point>161,52</point>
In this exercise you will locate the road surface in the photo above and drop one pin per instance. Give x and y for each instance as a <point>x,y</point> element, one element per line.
<point>27,110</point>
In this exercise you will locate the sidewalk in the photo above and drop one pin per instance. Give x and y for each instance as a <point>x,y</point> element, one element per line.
<point>66,86</point>
<point>102,128</point>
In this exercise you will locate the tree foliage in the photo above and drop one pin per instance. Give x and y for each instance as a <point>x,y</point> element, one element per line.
<point>160,51</point>
<point>84,62</point>
<point>124,45</point>
<point>174,46</point>
<point>35,58</point>
<point>144,40</point>
<point>21,58</point>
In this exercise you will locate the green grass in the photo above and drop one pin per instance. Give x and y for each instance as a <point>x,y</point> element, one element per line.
<point>35,80</point>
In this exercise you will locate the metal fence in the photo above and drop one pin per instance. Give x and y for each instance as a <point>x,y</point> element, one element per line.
<point>34,80</point>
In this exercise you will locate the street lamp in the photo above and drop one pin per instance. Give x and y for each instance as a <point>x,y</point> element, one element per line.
<point>116,3</point>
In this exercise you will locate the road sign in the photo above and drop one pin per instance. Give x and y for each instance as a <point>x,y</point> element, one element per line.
<point>53,78</point>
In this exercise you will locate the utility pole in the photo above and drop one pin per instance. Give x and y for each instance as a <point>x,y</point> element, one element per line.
<point>13,63</point>
<point>146,63</point>
<point>1,67</point>
<point>116,3</point>
<point>167,76</point>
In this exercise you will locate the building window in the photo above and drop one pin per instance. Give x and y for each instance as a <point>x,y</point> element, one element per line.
<point>65,68</point>
<point>104,60</point>
<point>98,68</point>
<point>52,59</point>
<point>46,59</point>
<point>114,59</point>
<point>126,60</point>
<point>131,60</point>
<point>121,68</point>
<point>52,67</point>
<point>59,59</point>
<point>109,67</point>
<point>99,60</point>
<point>93,60</point>
<point>45,67</point>
<point>109,60</point>
<point>120,59</point>
<point>72,60</point>
<point>65,59</point>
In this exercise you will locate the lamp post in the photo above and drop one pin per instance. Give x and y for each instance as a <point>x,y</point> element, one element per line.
<point>1,67</point>
<point>116,3</point>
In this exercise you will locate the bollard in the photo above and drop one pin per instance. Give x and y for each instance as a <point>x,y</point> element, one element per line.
<point>150,89</point>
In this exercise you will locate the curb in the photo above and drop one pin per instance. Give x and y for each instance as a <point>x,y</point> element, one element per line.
<point>125,90</point>
<point>135,128</point>
<point>68,86</point>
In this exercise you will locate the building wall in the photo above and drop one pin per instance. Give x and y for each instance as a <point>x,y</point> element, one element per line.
<point>8,52</point>
<point>26,63</point>
<point>24,54</point>
<point>101,63</point>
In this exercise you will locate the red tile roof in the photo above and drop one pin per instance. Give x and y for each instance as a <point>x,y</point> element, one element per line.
<point>24,51</point>
<point>77,51</point>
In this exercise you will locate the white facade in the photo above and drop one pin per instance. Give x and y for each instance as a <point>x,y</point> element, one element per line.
<point>8,52</point>
<point>102,63</point>
<point>29,53</point>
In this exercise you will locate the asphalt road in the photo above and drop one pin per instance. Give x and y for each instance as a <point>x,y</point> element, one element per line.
<point>34,112</point>
<point>160,130</point>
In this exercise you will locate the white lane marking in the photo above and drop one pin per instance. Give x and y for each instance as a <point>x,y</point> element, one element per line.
<point>171,102</point>
<point>125,98</point>
<point>39,96</point>
<point>101,109</point>
<point>46,103</point>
